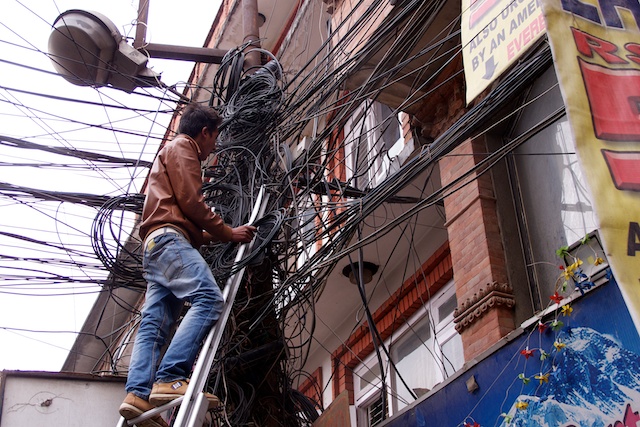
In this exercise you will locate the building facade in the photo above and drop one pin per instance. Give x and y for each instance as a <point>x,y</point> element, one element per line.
<point>440,262</point>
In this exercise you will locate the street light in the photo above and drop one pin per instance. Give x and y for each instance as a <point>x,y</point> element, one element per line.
<point>87,49</point>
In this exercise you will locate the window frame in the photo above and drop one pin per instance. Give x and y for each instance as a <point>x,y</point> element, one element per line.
<point>369,122</point>
<point>365,394</point>
<point>541,267</point>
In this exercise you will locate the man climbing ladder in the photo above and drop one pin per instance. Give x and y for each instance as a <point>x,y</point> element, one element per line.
<point>175,222</point>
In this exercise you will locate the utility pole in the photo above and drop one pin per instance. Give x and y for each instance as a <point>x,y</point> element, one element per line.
<point>251,35</point>
<point>141,23</point>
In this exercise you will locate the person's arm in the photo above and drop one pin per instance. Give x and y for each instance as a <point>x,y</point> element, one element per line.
<point>242,234</point>
<point>183,168</point>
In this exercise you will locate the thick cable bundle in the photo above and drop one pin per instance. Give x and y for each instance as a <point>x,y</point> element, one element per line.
<point>228,77</point>
<point>251,111</point>
<point>221,258</point>
<point>124,261</point>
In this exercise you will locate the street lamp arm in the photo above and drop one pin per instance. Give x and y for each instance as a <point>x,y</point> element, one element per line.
<point>184,53</point>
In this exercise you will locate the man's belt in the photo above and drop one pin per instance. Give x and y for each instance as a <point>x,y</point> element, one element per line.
<point>159,232</point>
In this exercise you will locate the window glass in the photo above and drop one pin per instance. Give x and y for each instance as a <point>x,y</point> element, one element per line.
<point>452,354</point>
<point>416,359</point>
<point>556,204</point>
<point>368,135</point>
<point>447,307</point>
<point>370,377</point>
<point>425,351</point>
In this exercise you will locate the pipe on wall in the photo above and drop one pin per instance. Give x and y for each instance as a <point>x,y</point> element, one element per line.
<point>251,30</point>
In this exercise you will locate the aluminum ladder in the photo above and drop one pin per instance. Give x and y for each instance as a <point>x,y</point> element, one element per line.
<point>194,404</point>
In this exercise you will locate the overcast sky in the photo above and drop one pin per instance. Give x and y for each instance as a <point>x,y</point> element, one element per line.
<point>30,299</point>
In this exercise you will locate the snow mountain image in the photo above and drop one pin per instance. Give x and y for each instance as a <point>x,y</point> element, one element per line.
<point>594,382</point>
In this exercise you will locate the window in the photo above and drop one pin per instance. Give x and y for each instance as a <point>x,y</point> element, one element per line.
<point>307,230</point>
<point>553,202</point>
<point>431,344</point>
<point>426,351</point>
<point>374,412</point>
<point>368,386</point>
<point>370,133</point>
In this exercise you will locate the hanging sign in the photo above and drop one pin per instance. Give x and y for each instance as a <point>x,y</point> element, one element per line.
<point>596,51</point>
<point>495,33</point>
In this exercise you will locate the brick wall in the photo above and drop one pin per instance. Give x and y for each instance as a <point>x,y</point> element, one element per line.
<point>485,313</point>
<point>312,386</point>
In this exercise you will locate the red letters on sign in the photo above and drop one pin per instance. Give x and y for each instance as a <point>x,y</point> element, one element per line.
<point>479,8</point>
<point>613,95</point>
<point>625,168</point>
<point>614,99</point>
<point>589,45</point>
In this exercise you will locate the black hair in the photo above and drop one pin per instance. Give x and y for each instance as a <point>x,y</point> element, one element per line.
<point>195,117</point>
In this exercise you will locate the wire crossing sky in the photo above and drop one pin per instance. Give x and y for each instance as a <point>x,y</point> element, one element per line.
<point>68,149</point>
<point>65,150</point>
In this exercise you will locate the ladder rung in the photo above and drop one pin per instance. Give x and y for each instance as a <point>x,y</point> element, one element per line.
<point>193,410</point>
<point>156,411</point>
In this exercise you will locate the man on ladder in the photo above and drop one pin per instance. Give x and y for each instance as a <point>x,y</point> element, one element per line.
<point>175,222</point>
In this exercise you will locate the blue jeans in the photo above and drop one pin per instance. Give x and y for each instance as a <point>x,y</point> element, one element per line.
<point>174,272</point>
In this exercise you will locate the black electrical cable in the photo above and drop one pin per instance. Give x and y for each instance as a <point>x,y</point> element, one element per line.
<point>122,260</point>
<point>307,204</point>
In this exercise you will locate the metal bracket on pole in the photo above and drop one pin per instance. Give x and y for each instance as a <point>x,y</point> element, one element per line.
<point>194,400</point>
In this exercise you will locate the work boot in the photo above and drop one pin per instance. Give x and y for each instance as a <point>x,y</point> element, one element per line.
<point>162,393</point>
<point>133,407</point>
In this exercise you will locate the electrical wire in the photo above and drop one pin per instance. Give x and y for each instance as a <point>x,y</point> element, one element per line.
<point>318,201</point>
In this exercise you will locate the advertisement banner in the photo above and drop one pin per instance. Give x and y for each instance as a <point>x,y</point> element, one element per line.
<point>495,33</point>
<point>577,369</point>
<point>596,51</point>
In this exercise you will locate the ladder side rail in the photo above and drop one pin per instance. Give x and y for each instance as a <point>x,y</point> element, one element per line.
<point>188,413</point>
<point>204,363</point>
